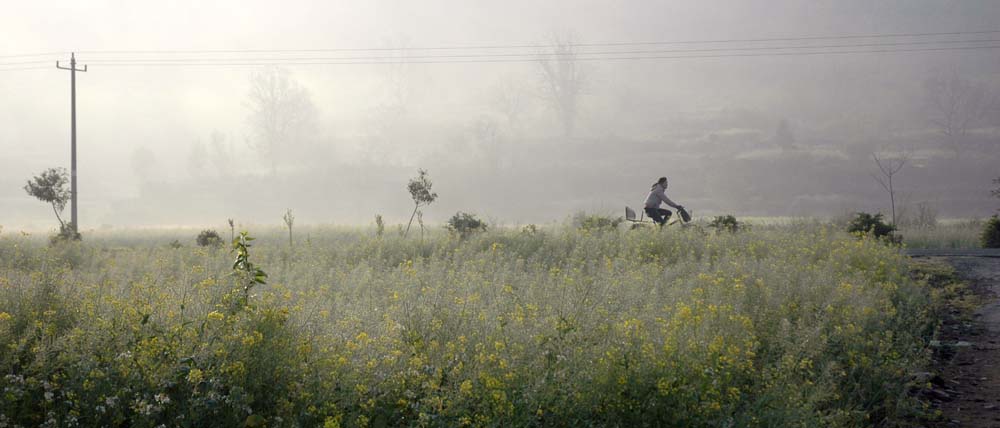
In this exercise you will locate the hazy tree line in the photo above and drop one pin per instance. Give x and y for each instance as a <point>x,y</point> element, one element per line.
<point>285,138</point>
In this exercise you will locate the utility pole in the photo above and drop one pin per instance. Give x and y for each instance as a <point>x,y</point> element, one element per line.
<point>72,101</point>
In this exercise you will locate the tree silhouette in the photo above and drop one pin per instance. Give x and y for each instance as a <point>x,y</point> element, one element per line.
<point>420,191</point>
<point>564,80</point>
<point>889,167</point>
<point>956,105</point>
<point>50,187</point>
<point>281,112</point>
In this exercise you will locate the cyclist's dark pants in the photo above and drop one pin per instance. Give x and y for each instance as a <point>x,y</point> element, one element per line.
<point>659,215</point>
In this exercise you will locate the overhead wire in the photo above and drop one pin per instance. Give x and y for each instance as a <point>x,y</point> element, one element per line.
<point>26,68</point>
<point>540,54</point>
<point>95,56</point>
<point>540,45</point>
<point>27,62</point>
<point>521,60</point>
<point>29,55</point>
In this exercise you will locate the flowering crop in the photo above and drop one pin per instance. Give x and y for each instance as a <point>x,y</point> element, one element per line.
<point>768,327</point>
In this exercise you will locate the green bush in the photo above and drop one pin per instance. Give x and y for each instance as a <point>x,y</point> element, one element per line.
<point>991,233</point>
<point>725,223</point>
<point>864,223</point>
<point>209,238</point>
<point>596,221</point>
<point>465,224</point>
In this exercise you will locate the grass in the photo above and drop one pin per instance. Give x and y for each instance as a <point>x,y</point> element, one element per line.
<point>960,234</point>
<point>775,326</point>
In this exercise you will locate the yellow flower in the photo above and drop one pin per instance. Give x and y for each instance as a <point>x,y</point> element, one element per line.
<point>195,376</point>
<point>734,392</point>
<point>5,316</point>
<point>332,422</point>
<point>216,316</point>
<point>253,338</point>
<point>466,387</point>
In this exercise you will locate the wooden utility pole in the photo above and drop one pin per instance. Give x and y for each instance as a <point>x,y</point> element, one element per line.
<point>72,101</point>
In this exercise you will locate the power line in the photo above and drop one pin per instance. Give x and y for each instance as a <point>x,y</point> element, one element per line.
<point>499,55</point>
<point>29,55</point>
<point>161,61</point>
<point>24,68</point>
<point>531,45</point>
<point>26,62</point>
<point>583,58</point>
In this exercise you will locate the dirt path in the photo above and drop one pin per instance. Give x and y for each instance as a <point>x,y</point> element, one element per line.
<point>968,390</point>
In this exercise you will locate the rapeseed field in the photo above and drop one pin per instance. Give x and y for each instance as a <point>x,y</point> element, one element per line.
<point>784,326</point>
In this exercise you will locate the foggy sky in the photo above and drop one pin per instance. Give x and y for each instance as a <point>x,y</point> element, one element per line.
<point>141,127</point>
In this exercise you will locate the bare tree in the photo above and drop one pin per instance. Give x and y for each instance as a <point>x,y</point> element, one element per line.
<point>281,112</point>
<point>144,165</point>
<point>889,167</point>
<point>487,135</point>
<point>396,74</point>
<point>289,222</point>
<point>220,153</point>
<point>390,115</point>
<point>956,106</point>
<point>197,159</point>
<point>509,101</point>
<point>563,80</point>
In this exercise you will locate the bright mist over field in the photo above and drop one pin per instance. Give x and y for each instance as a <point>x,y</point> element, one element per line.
<point>190,113</point>
<point>439,213</point>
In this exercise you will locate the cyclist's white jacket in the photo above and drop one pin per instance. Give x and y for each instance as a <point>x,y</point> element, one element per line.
<point>657,195</point>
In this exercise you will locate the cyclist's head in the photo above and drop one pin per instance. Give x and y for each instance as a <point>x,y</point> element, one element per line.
<point>662,181</point>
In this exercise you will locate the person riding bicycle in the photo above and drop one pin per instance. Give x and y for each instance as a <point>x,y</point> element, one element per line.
<point>658,195</point>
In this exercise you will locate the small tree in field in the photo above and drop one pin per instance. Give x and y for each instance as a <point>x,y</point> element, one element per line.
<point>50,186</point>
<point>420,191</point>
<point>889,167</point>
<point>420,221</point>
<point>208,238</point>
<point>465,224</point>
<point>289,222</point>
<point>379,225</point>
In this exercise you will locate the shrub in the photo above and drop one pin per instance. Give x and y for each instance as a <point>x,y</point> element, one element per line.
<point>596,221</point>
<point>864,223</point>
<point>991,233</point>
<point>209,238</point>
<point>725,223</point>
<point>465,224</point>
<point>379,225</point>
